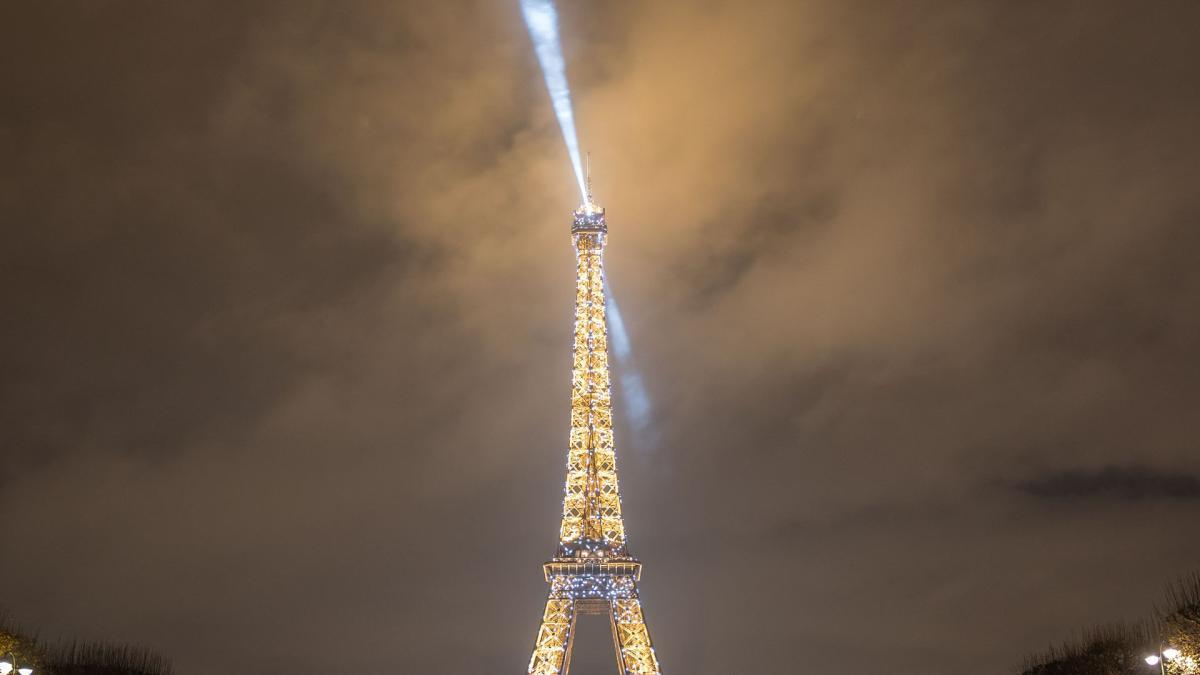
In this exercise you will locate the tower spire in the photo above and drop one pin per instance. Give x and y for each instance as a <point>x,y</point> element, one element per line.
<point>592,570</point>
<point>588,175</point>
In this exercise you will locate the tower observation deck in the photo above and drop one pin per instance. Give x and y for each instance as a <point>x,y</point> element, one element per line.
<point>589,218</point>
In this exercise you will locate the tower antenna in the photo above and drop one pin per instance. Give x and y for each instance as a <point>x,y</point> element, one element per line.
<point>588,174</point>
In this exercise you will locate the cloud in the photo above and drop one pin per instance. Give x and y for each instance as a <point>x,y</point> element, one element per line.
<point>287,303</point>
<point>1113,482</point>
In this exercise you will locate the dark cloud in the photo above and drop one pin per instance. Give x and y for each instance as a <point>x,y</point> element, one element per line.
<point>287,295</point>
<point>1113,482</point>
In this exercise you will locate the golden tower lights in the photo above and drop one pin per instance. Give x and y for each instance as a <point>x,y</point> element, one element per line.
<point>592,571</point>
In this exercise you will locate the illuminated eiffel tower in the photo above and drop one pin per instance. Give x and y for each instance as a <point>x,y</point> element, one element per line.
<point>592,572</point>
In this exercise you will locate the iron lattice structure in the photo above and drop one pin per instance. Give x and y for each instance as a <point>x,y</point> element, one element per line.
<point>592,571</point>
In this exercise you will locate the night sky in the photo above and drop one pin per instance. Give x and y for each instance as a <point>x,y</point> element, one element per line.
<point>913,289</point>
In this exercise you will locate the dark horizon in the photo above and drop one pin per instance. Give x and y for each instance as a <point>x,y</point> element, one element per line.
<point>912,289</point>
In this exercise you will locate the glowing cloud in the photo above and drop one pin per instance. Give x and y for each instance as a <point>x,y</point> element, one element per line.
<point>541,19</point>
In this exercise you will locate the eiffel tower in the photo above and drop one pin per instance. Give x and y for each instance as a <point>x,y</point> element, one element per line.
<point>592,571</point>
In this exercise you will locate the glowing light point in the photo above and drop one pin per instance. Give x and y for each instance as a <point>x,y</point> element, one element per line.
<point>1170,653</point>
<point>1152,659</point>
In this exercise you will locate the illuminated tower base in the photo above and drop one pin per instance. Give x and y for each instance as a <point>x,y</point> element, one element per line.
<point>592,572</point>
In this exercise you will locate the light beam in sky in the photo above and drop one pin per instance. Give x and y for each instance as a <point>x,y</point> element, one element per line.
<point>541,18</point>
<point>637,401</point>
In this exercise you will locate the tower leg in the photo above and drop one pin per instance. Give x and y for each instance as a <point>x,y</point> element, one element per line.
<point>612,618</point>
<point>635,653</point>
<point>552,651</point>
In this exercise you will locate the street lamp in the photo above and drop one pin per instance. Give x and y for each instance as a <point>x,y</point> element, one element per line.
<point>1160,659</point>
<point>9,663</point>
